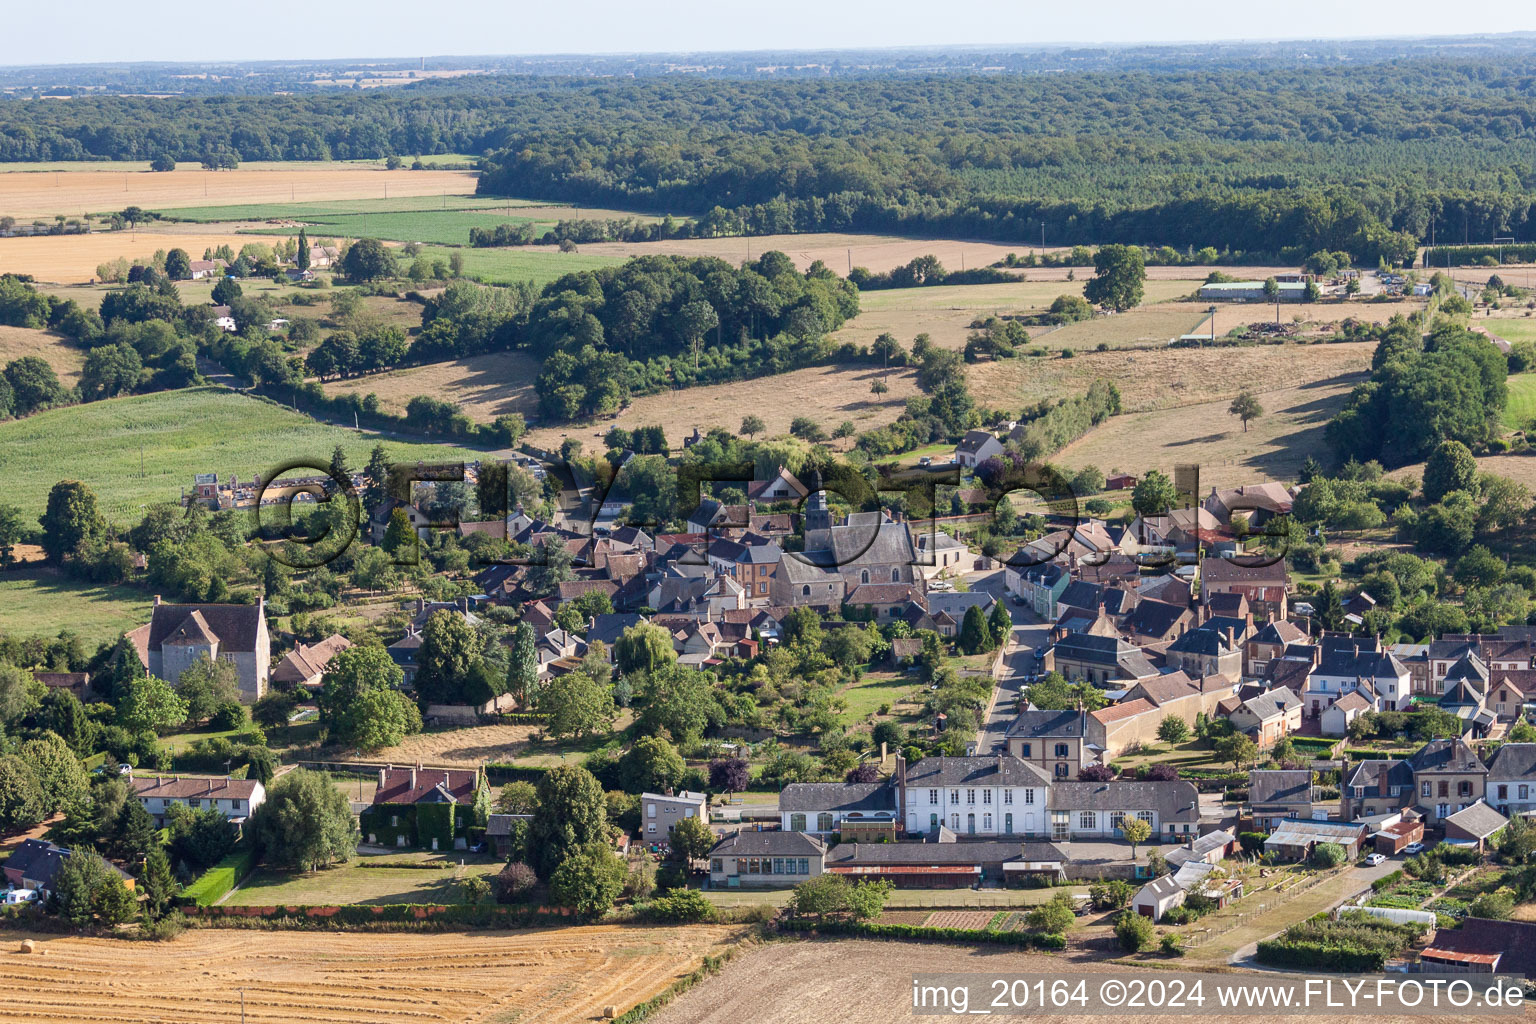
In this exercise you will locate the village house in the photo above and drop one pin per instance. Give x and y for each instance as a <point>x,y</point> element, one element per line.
<point>1265,586</point>
<point>178,635</point>
<point>1511,783</point>
<point>1342,712</point>
<point>828,808</point>
<point>948,863</point>
<point>1053,741</point>
<point>1038,586</point>
<point>430,808</point>
<point>1375,787</point>
<point>1269,717</point>
<point>1347,664</point>
<point>770,859</point>
<point>1098,810</point>
<point>976,447</point>
<point>305,665</point>
<point>1158,897</point>
<point>1447,777</point>
<point>1474,825</point>
<point>660,812</point>
<point>782,485</point>
<point>995,795</point>
<point>1100,660</point>
<point>1268,642</point>
<point>233,798</point>
<point>1206,651</point>
<point>35,863</point>
<point>1275,795</point>
<point>1295,839</point>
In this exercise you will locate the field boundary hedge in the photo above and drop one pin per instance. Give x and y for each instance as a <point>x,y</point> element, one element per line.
<point>341,917</point>
<point>708,968</point>
<point>873,930</point>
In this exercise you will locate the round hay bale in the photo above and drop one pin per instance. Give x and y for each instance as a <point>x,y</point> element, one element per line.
<point>610,1012</point>
<point>28,946</point>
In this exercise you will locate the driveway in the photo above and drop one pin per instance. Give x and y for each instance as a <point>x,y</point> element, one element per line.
<point>1029,633</point>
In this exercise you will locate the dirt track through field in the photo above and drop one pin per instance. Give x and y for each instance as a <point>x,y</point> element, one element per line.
<point>553,976</point>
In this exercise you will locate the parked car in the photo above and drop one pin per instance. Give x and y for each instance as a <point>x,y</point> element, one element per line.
<point>925,461</point>
<point>1375,859</point>
<point>1413,848</point>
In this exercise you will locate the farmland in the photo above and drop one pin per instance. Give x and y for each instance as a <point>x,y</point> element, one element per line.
<point>70,259</point>
<point>540,264</point>
<point>558,976</point>
<point>1521,409</point>
<point>473,746</point>
<point>177,434</point>
<point>486,386</point>
<point>66,360</point>
<point>1273,448</point>
<point>92,188</point>
<point>45,602</point>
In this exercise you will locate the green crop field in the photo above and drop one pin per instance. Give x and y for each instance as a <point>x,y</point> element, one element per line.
<point>43,602</point>
<point>442,227</point>
<point>177,434</point>
<point>342,207</point>
<point>540,264</point>
<point>1521,408</point>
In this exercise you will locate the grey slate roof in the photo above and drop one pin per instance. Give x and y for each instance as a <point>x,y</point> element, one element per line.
<point>1280,787</point>
<point>957,853</point>
<point>861,543</point>
<point>235,625</point>
<point>768,844</point>
<point>1352,656</point>
<point>1173,801</point>
<point>1081,594</point>
<point>1202,641</point>
<point>990,770</point>
<point>1513,761</point>
<point>1376,771</point>
<point>838,796</point>
<point>956,605</point>
<point>1037,724</point>
<point>1452,755</point>
<point>1478,820</point>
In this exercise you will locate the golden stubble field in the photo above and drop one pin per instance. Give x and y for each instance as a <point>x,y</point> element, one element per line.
<point>551,976</point>
<point>864,982</point>
<point>96,189</point>
<point>16,342</point>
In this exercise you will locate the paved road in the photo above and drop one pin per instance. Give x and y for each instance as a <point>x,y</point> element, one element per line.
<point>1028,634</point>
<point>1355,880</point>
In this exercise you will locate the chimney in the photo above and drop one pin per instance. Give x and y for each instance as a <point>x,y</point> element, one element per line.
<point>413,778</point>
<point>381,775</point>
<point>421,605</point>
<point>157,600</point>
<point>999,764</point>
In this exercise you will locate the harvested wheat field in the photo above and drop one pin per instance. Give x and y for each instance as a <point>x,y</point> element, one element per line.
<point>827,394</point>
<point>16,342</point>
<point>1165,378</point>
<point>485,386</point>
<point>552,976</point>
<point>862,982</point>
<point>98,190</point>
<point>1273,448</point>
<point>71,259</point>
<point>878,253</point>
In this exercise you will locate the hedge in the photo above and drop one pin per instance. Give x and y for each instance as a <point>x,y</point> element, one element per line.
<point>1324,955</point>
<point>217,881</point>
<point>503,771</point>
<point>483,915</point>
<point>871,930</point>
<point>1387,881</point>
<point>521,718</point>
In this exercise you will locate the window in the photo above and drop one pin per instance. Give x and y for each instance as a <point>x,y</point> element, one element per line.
<point>1029,796</point>
<point>797,823</point>
<point>1117,820</point>
<point>864,576</point>
<point>1007,796</point>
<point>895,575</point>
<point>716,865</point>
<point>1061,750</point>
<point>1525,792</point>
<point>986,823</point>
<point>1061,771</point>
<point>933,796</point>
<point>805,866</point>
<point>651,827</point>
<point>954,796</point>
<point>970,796</point>
<point>824,821</point>
<point>1503,792</point>
<point>1025,752</point>
<point>1424,790</point>
<point>650,810</point>
<point>394,819</point>
<point>954,822</point>
<point>778,865</point>
<point>805,591</point>
<point>1087,821</point>
<point>1445,788</point>
<point>1060,825</point>
<point>1145,816</point>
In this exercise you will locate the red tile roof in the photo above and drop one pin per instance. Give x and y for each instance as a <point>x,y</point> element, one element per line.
<point>413,785</point>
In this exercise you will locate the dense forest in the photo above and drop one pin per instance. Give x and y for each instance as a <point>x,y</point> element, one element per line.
<point>1369,158</point>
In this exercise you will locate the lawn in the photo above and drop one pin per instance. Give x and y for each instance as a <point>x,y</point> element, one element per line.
<point>353,882</point>
<point>42,601</point>
<point>1520,410</point>
<point>176,434</point>
<point>865,697</point>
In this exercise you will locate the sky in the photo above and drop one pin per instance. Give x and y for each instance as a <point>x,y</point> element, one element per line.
<point>90,31</point>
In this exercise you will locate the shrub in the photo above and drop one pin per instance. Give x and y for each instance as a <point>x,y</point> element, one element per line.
<point>682,906</point>
<point>1386,882</point>
<point>1111,895</point>
<point>219,879</point>
<point>1134,932</point>
<point>514,883</point>
<point>1495,906</point>
<point>1328,855</point>
<point>1172,945</point>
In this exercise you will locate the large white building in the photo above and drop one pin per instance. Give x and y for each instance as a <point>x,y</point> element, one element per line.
<point>983,796</point>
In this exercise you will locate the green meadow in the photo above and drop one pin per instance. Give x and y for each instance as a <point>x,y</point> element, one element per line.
<point>176,434</point>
